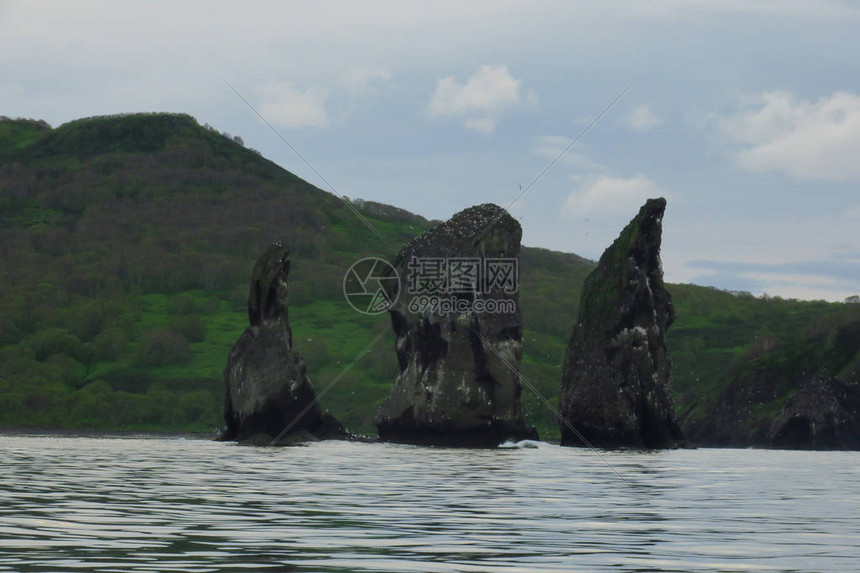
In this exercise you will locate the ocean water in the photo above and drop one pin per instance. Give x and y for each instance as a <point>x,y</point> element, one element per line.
<point>144,504</point>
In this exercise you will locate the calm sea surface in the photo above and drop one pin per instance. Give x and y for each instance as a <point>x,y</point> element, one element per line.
<point>128,504</point>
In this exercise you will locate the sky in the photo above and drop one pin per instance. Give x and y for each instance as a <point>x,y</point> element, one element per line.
<point>744,114</point>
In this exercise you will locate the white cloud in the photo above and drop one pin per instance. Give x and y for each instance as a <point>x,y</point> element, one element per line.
<point>286,106</point>
<point>551,146</point>
<point>807,140</point>
<point>482,124</point>
<point>606,194</point>
<point>794,279</point>
<point>485,95</point>
<point>642,119</point>
<point>364,79</point>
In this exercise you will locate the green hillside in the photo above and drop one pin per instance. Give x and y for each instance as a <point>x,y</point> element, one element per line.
<point>772,369</point>
<point>126,246</point>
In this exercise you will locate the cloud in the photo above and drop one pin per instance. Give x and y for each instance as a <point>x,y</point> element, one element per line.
<point>835,269</point>
<point>551,146</point>
<point>608,195</point>
<point>807,140</point>
<point>484,96</point>
<point>365,79</point>
<point>482,124</point>
<point>286,106</point>
<point>832,279</point>
<point>641,119</point>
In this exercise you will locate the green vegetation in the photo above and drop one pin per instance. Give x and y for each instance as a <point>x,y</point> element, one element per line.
<point>16,135</point>
<point>715,331</point>
<point>126,247</point>
<point>770,371</point>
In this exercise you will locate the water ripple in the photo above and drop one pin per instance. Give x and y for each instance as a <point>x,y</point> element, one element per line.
<point>111,504</point>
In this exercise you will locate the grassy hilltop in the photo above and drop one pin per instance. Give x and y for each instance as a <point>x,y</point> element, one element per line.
<point>126,245</point>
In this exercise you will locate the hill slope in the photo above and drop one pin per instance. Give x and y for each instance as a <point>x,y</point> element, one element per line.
<point>773,370</point>
<point>126,245</point>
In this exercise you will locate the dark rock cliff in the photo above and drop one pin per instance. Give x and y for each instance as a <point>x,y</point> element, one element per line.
<point>615,380</point>
<point>268,391</point>
<point>801,394</point>
<point>458,382</point>
<point>823,415</point>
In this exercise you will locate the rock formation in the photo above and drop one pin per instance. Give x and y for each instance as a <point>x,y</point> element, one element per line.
<point>800,390</point>
<point>615,380</point>
<point>267,388</point>
<point>823,415</point>
<point>458,382</point>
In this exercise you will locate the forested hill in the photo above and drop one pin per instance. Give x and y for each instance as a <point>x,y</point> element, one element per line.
<point>126,245</point>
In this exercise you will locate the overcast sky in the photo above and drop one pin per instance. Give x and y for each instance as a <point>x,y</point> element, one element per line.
<point>744,114</point>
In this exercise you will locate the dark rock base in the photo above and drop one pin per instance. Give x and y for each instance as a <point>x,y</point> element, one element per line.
<point>824,415</point>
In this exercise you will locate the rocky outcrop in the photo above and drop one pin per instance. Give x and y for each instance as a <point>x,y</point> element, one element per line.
<point>803,393</point>
<point>615,380</point>
<point>823,415</point>
<point>268,391</point>
<point>458,382</point>
<point>742,416</point>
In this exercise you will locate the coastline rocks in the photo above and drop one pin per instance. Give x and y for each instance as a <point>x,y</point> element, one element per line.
<point>800,394</point>
<point>615,380</point>
<point>823,415</point>
<point>740,417</point>
<point>458,382</point>
<point>268,391</point>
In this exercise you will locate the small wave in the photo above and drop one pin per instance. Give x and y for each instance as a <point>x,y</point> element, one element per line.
<point>522,444</point>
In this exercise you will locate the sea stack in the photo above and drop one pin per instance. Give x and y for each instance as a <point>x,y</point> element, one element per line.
<point>458,382</point>
<point>615,379</point>
<point>268,391</point>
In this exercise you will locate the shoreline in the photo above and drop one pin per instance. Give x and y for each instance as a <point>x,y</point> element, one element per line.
<point>154,434</point>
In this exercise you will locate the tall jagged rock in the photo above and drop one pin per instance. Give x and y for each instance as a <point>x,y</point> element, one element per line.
<point>615,380</point>
<point>458,382</point>
<point>267,388</point>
